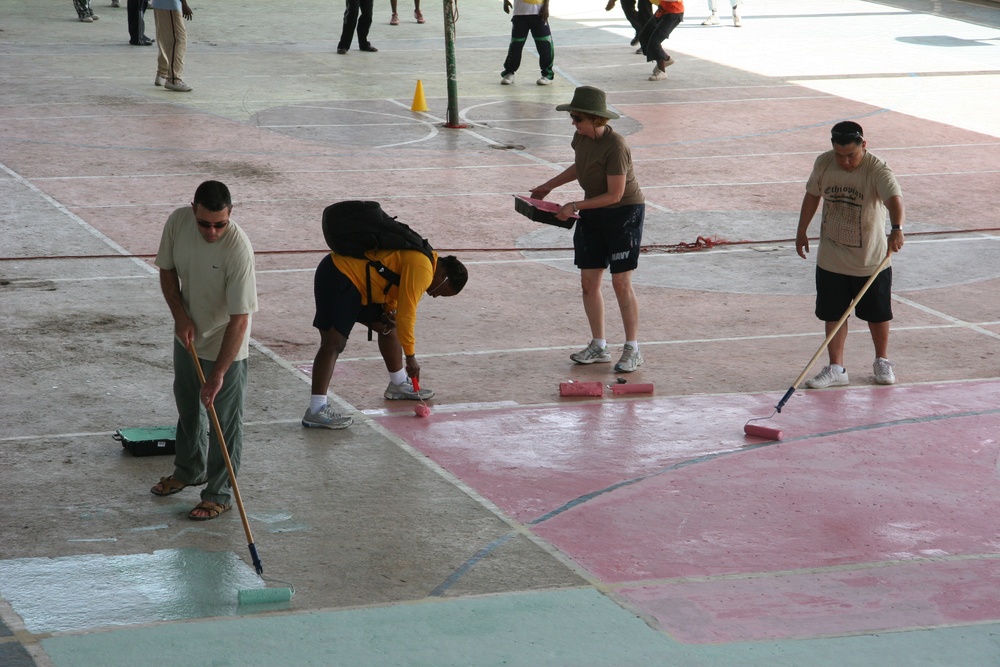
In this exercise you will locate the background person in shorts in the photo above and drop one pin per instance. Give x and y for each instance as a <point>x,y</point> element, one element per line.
<point>341,292</point>
<point>856,188</point>
<point>609,233</point>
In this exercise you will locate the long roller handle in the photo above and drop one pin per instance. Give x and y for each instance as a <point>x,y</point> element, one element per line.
<point>829,336</point>
<point>229,465</point>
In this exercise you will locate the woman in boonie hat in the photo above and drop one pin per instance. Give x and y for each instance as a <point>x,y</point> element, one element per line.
<point>609,232</point>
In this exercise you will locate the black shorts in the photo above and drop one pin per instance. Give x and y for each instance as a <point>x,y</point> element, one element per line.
<point>835,291</point>
<point>338,301</point>
<point>609,237</point>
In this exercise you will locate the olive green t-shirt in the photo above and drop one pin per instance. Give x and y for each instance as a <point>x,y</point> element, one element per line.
<point>596,159</point>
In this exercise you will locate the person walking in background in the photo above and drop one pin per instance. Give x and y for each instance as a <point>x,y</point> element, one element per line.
<point>529,16</point>
<point>609,232</point>
<point>207,277</point>
<point>637,14</point>
<point>855,188</point>
<point>352,22</point>
<point>713,19</point>
<point>394,20</point>
<point>667,17</point>
<point>84,11</point>
<point>172,40</point>
<point>137,23</point>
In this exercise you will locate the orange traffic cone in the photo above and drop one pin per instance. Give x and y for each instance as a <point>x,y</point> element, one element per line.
<point>419,102</point>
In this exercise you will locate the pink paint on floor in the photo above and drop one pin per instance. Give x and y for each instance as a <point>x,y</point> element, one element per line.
<point>638,492</point>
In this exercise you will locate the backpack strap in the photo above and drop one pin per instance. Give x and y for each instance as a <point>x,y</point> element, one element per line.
<point>390,276</point>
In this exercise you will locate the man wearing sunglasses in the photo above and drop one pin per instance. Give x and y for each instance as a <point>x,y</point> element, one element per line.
<point>856,188</point>
<point>207,277</point>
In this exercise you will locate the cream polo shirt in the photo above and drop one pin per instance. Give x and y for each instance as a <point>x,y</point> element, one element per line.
<point>217,279</point>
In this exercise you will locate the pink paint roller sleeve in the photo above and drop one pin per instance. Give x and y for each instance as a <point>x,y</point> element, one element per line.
<point>632,388</point>
<point>420,410</point>
<point>763,432</point>
<point>581,389</point>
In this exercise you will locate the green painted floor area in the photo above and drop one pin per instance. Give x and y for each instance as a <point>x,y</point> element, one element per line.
<point>84,592</point>
<point>570,627</point>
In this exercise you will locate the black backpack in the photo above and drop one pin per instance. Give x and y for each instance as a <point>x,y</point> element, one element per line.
<point>354,227</point>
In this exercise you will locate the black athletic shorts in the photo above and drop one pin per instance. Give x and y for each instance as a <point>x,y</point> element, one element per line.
<point>609,237</point>
<point>338,301</point>
<point>835,291</point>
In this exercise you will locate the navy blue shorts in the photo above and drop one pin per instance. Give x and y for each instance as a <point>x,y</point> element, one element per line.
<point>835,291</point>
<point>338,301</point>
<point>609,237</point>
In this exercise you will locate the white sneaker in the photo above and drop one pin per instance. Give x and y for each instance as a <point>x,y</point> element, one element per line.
<point>396,392</point>
<point>507,80</point>
<point>711,20</point>
<point>177,85</point>
<point>631,360</point>
<point>159,80</point>
<point>737,23</point>
<point>325,417</point>
<point>592,355</point>
<point>828,377</point>
<point>658,74</point>
<point>883,371</point>
<point>544,81</point>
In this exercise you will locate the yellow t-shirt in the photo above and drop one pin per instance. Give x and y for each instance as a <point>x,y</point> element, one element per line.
<point>415,275</point>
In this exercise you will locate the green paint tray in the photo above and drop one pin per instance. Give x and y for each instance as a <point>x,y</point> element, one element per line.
<point>148,441</point>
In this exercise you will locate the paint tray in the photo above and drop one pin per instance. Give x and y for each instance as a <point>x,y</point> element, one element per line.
<point>540,210</point>
<point>148,441</point>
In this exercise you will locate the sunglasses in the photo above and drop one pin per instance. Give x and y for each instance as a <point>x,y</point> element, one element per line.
<point>212,225</point>
<point>841,137</point>
<point>576,119</point>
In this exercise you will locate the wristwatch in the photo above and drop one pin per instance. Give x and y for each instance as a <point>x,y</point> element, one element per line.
<point>575,209</point>
<point>897,228</point>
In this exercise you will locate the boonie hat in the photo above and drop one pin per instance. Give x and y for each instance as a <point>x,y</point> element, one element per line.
<point>588,99</point>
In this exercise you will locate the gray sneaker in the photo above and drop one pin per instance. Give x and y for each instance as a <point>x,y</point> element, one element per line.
<point>396,392</point>
<point>326,418</point>
<point>828,377</point>
<point>631,360</point>
<point>592,354</point>
<point>883,371</point>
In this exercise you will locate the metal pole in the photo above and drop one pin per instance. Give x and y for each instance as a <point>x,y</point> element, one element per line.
<point>449,49</point>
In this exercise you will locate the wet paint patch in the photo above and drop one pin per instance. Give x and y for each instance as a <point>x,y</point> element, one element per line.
<point>84,592</point>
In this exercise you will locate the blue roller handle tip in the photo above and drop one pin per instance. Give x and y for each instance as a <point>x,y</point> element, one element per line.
<point>784,399</point>
<point>257,565</point>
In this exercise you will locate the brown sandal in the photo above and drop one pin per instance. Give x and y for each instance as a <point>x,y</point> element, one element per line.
<point>213,509</point>
<point>169,486</point>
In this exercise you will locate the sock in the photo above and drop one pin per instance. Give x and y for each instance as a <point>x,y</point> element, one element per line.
<point>399,377</point>
<point>839,368</point>
<point>600,342</point>
<point>317,402</point>
<point>634,344</point>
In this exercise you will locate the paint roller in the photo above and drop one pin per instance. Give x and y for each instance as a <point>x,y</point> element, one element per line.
<point>253,595</point>
<point>421,410</point>
<point>776,434</point>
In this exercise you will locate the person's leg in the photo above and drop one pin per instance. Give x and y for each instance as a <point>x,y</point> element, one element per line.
<point>82,8</point>
<point>417,14</point>
<point>364,22</point>
<point>191,444</point>
<point>519,28</point>
<point>392,4</point>
<point>133,17</point>
<point>632,14</point>
<point>835,350</point>
<point>391,350</point>
<point>229,409</point>
<point>164,41</point>
<point>880,337</point>
<point>542,35</point>
<point>350,23</point>
<point>178,50</point>
<point>663,27</point>
<point>627,303</point>
<point>593,301</point>
<point>332,344</point>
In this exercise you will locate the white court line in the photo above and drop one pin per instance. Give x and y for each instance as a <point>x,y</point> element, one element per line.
<point>978,328</point>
